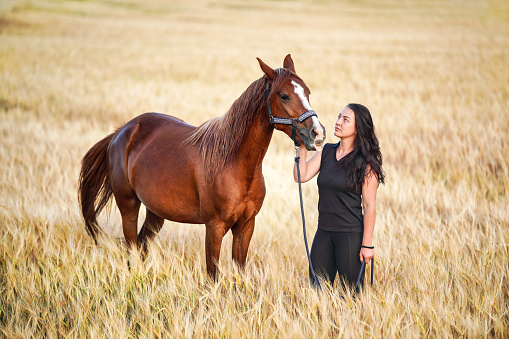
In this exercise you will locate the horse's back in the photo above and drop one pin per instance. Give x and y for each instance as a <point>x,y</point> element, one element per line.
<point>143,131</point>
<point>139,132</point>
<point>157,165</point>
<point>152,121</point>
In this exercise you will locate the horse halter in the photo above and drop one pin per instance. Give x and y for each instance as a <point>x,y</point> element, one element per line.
<point>288,121</point>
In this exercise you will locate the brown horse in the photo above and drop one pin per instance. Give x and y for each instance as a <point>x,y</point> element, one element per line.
<point>209,175</point>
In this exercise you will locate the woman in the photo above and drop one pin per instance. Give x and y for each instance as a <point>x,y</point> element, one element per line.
<point>349,174</point>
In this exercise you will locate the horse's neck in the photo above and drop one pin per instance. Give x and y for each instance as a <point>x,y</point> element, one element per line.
<point>256,143</point>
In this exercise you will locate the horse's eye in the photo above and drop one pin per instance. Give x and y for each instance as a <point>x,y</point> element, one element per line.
<point>285,97</point>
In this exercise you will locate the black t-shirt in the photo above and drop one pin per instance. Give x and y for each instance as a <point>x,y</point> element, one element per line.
<point>339,206</point>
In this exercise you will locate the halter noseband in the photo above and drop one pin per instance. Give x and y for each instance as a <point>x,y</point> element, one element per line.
<point>288,121</point>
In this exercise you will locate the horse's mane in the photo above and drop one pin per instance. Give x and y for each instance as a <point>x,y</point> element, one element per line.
<point>219,139</point>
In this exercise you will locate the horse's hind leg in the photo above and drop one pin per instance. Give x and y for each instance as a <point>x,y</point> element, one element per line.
<point>151,227</point>
<point>129,208</point>
<point>125,196</point>
<point>128,204</point>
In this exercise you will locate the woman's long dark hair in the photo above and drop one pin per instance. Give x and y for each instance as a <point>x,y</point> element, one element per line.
<point>366,150</point>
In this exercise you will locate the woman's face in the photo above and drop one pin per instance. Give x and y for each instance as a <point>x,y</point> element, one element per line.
<point>345,125</point>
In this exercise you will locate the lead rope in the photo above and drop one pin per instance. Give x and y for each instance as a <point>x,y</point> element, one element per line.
<point>297,158</point>
<point>294,124</point>
<point>360,273</point>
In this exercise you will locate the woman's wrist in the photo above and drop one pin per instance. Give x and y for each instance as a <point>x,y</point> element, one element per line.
<point>302,151</point>
<point>366,246</point>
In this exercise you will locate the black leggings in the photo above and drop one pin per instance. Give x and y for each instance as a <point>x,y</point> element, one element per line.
<point>337,252</point>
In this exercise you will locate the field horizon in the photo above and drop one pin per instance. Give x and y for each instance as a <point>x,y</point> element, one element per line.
<point>434,76</point>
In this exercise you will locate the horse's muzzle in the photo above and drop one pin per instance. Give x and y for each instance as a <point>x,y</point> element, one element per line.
<point>319,142</point>
<point>318,132</point>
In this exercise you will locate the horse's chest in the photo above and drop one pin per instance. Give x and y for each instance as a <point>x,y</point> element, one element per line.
<point>233,199</point>
<point>255,191</point>
<point>252,194</point>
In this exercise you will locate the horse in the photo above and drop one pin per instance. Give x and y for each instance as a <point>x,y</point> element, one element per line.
<point>211,174</point>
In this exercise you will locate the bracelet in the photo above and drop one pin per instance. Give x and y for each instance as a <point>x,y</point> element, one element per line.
<point>370,247</point>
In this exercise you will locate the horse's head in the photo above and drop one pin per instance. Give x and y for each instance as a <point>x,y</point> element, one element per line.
<point>289,102</point>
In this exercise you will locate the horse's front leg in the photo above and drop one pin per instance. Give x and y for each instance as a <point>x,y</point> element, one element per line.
<point>213,238</point>
<point>242,232</point>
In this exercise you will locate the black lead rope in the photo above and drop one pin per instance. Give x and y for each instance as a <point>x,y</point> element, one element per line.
<point>294,123</point>
<point>360,273</point>
<point>297,158</point>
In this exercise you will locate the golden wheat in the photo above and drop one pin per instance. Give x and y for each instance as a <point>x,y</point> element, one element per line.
<point>434,75</point>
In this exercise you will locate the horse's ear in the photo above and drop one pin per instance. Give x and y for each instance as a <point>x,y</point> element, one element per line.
<point>266,69</point>
<point>288,63</point>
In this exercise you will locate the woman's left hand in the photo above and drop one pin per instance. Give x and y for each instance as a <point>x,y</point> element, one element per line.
<point>366,254</point>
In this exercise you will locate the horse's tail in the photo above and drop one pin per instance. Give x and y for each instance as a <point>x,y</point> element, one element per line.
<point>95,190</point>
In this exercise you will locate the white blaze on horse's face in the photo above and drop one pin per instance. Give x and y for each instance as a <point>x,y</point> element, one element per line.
<point>316,123</point>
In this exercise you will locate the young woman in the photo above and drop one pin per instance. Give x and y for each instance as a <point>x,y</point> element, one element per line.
<point>348,176</point>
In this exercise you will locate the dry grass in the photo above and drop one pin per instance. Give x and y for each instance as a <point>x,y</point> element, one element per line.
<point>434,75</point>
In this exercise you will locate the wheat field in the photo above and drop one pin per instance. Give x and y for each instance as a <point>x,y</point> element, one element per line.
<point>435,76</point>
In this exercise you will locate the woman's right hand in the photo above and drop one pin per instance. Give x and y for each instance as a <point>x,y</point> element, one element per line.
<point>308,169</point>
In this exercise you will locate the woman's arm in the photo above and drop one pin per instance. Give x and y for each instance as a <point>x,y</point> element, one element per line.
<point>310,168</point>
<point>369,189</point>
